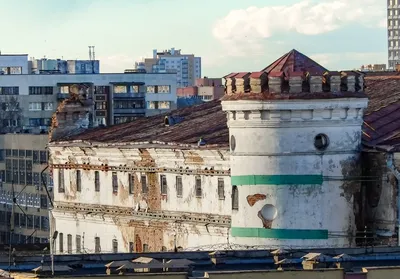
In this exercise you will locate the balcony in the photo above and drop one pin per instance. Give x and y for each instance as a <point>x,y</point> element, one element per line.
<point>129,95</point>
<point>130,111</point>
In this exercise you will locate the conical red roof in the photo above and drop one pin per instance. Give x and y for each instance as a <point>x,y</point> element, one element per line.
<point>294,61</point>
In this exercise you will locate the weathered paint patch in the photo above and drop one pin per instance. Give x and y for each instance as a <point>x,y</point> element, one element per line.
<point>279,233</point>
<point>277,180</point>
<point>252,199</point>
<point>192,158</point>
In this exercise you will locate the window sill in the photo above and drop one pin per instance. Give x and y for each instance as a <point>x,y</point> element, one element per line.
<point>222,199</point>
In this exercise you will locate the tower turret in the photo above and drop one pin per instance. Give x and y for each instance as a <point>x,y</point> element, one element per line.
<point>295,144</point>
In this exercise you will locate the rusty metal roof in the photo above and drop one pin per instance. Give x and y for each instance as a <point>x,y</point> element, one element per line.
<point>206,121</point>
<point>295,61</point>
<point>382,120</point>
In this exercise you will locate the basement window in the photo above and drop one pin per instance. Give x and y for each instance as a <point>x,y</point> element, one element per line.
<point>115,246</point>
<point>164,187</point>
<point>97,247</point>
<point>69,244</point>
<point>61,242</point>
<point>179,187</point>
<point>221,189</point>
<point>321,142</point>
<point>115,182</point>
<point>198,187</point>
<point>78,244</point>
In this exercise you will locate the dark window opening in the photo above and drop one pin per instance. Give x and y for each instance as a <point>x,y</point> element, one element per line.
<point>221,189</point>
<point>235,198</point>
<point>131,183</point>
<point>78,180</point>
<point>198,187</point>
<point>97,181</point>
<point>115,182</point>
<point>179,186</point>
<point>143,179</point>
<point>164,187</point>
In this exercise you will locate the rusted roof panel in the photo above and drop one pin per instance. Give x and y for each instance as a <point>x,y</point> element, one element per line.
<point>295,61</point>
<point>382,120</point>
<point>206,121</point>
<point>231,75</point>
<point>257,74</point>
<point>242,75</point>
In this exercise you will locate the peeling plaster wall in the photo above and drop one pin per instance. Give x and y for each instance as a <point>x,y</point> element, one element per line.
<point>161,221</point>
<point>152,158</point>
<point>274,141</point>
<point>380,192</point>
<point>157,234</point>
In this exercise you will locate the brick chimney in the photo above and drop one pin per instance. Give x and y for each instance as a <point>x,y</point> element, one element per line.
<point>275,82</point>
<point>72,115</point>
<point>258,82</point>
<point>334,80</point>
<point>296,82</point>
<point>230,83</point>
<point>360,82</point>
<point>242,82</point>
<point>316,83</point>
<point>349,81</point>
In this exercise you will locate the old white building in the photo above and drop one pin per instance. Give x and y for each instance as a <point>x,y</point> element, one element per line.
<point>272,167</point>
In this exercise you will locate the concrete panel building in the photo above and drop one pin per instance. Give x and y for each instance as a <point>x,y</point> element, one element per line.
<point>187,67</point>
<point>30,100</point>
<point>393,28</point>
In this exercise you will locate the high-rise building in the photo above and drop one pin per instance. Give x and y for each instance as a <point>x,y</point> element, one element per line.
<point>393,20</point>
<point>186,66</point>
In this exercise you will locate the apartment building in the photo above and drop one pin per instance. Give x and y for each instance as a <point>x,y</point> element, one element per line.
<point>205,89</point>
<point>24,176</point>
<point>17,64</point>
<point>186,66</point>
<point>28,101</point>
<point>44,65</point>
<point>393,27</point>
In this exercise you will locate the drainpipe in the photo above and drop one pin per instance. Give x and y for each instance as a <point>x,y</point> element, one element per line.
<point>390,164</point>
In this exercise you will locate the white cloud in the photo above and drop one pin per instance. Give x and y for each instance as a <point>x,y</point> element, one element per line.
<point>247,28</point>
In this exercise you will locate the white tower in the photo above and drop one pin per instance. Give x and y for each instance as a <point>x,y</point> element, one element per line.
<point>295,135</point>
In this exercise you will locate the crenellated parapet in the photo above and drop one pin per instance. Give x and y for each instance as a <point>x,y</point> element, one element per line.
<point>294,82</point>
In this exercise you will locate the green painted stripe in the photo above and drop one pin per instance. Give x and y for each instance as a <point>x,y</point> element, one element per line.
<point>279,233</point>
<point>277,179</point>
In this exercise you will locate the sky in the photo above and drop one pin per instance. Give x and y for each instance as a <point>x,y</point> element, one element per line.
<point>229,35</point>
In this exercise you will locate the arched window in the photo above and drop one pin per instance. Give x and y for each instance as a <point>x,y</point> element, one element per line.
<point>115,245</point>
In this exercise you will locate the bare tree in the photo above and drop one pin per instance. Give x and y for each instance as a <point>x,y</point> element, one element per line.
<point>10,115</point>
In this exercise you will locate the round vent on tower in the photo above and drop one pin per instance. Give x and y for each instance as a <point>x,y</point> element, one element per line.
<point>321,142</point>
<point>233,143</point>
